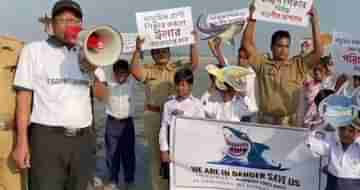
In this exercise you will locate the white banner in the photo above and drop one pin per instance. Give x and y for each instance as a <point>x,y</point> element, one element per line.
<point>293,12</point>
<point>346,52</point>
<point>129,40</point>
<point>228,17</point>
<point>214,155</point>
<point>166,28</point>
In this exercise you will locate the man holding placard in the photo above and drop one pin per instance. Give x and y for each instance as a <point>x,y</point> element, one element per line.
<point>159,77</point>
<point>281,77</point>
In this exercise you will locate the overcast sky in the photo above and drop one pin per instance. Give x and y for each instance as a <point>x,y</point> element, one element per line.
<point>19,17</point>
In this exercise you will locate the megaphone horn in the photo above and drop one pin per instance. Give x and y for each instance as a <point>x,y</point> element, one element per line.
<point>101,45</point>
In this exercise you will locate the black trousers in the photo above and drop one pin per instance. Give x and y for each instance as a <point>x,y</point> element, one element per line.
<point>60,162</point>
<point>120,148</point>
<point>335,183</point>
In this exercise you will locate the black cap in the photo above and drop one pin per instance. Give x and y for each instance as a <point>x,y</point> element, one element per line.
<point>62,5</point>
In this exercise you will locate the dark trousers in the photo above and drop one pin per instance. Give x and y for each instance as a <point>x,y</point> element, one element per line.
<point>120,148</point>
<point>60,162</point>
<point>335,183</point>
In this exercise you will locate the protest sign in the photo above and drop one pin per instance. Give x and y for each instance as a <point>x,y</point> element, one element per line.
<point>214,155</point>
<point>293,12</point>
<point>228,17</point>
<point>166,28</point>
<point>129,40</point>
<point>346,53</point>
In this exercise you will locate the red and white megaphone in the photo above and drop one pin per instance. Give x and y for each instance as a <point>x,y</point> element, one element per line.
<point>101,45</point>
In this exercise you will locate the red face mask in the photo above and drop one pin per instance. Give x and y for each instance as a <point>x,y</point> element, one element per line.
<point>72,33</point>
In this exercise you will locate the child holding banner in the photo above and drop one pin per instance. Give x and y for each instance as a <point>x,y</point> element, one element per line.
<point>183,104</point>
<point>343,150</point>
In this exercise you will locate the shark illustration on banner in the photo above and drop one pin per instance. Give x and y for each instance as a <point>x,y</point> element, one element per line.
<point>241,151</point>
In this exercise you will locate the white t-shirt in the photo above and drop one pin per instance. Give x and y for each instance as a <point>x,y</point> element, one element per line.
<point>61,92</point>
<point>189,107</point>
<point>121,96</point>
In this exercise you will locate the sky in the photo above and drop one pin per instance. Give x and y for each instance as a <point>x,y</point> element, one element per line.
<point>19,17</point>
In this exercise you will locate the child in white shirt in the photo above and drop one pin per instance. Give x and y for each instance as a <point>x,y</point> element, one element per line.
<point>343,150</point>
<point>183,104</point>
<point>235,102</point>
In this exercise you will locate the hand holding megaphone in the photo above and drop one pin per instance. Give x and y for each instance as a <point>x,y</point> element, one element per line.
<point>100,46</point>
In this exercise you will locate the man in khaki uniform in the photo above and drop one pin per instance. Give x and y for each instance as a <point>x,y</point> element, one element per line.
<point>280,77</point>
<point>159,85</point>
<point>10,179</point>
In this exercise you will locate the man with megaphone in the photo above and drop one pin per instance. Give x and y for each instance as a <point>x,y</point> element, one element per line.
<point>54,109</point>
<point>159,85</point>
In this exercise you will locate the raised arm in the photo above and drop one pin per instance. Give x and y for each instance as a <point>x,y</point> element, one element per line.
<point>194,52</point>
<point>318,48</point>
<point>136,68</point>
<point>248,40</point>
<point>216,47</point>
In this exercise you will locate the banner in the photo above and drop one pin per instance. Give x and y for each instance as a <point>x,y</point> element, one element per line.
<point>166,28</point>
<point>293,12</point>
<point>228,17</point>
<point>346,51</point>
<point>129,40</point>
<point>214,155</point>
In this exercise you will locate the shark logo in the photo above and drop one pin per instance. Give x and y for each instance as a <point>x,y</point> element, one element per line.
<point>240,150</point>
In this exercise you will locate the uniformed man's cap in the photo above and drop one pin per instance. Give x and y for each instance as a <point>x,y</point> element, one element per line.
<point>66,5</point>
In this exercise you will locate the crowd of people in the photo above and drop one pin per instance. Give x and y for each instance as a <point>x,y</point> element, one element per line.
<point>47,118</point>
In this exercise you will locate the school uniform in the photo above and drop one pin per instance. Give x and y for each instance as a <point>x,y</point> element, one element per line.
<point>188,107</point>
<point>234,110</point>
<point>344,165</point>
<point>120,131</point>
<point>209,100</point>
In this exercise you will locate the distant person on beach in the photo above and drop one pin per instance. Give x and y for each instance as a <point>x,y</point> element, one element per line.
<point>10,177</point>
<point>181,104</point>
<point>159,85</point>
<point>279,77</point>
<point>119,131</point>
<point>55,139</point>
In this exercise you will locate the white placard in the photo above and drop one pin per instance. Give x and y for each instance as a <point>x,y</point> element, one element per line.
<point>293,12</point>
<point>228,17</point>
<point>214,155</point>
<point>346,53</point>
<point>166,28</point>
<point>129,40</point>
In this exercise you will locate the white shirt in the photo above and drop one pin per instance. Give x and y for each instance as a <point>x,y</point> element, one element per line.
<point>189,107</point>
<point>121,96</point>
<point>341,164</point>
<point>232,110</point>
<point>61,92</point>
<point>251,91</point>
<point>209,102</point>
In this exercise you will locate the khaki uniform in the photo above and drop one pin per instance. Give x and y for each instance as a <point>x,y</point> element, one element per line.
<point>9,49</point>
<point>279,87</point>
<point>159,85</point>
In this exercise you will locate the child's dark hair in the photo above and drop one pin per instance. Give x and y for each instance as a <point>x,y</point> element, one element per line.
<point>121,65</point>
<point>278,35</point>
<point>322,95</point>
<point>184,74</point>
